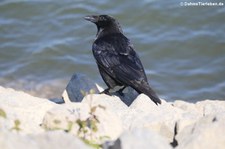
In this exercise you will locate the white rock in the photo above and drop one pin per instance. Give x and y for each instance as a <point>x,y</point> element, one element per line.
<point>160,119</point>
<point>208,107</point>
<point>186,106</point>
<point>203,108</point>
<point>146,125</point>
<point>101,89</point>
<point>65,97</point>
<point>143,104</point>
<point>60,117</point>
<point>108,125</point>
<point>190,114</point>
<point>48,140</point>
<point>208,132</point>
<point>27,109</point>
<point>112,103</point>
<point>143,139</point>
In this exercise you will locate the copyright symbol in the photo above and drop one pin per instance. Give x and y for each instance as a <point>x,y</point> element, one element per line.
<point>181,4</point>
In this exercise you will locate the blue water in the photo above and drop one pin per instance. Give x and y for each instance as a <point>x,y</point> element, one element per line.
<point>182,47</point>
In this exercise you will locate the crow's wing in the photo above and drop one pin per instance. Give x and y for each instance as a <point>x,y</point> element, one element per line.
<point>117,57</point>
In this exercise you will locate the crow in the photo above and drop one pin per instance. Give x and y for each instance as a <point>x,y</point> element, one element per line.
<point>117,61</point>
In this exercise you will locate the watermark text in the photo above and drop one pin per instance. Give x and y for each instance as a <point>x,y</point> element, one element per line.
<point>186,4</point>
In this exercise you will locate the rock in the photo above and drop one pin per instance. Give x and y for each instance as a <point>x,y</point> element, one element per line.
<point>95,123</point>
<point>99,118</point>
<point>208,132</point>
<point>143,104</point>
<point>190,114</point>
<point>65,97</point>
<point>142,139</point>
<point>112,103</point>
<point>203,108</point>
<point>48,140</point>
<point>208,107</point>
<point>60,117</point>
<point>137,139</point>
<point>188,107</point>
<point>160,119</point>
<point>112,144</point>
<point>25,110</point>
<point>78,83</point>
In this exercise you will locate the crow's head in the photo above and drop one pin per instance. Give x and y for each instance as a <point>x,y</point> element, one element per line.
<point>104,23</point>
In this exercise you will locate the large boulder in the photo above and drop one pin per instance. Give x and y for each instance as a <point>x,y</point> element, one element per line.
<point>208,132</point>
<point>95,123</point>
<point>47,140</point>
<point>22,110</point>
<point>97,118</point>
<point>208,107</point>
<point>112,103</point>
<point>162,119</point>
<point>143,139</point>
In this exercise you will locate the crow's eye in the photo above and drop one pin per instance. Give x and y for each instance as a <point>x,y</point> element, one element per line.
<point>102,18</point>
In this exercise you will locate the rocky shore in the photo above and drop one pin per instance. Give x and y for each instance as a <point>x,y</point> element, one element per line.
<point>91,120</point>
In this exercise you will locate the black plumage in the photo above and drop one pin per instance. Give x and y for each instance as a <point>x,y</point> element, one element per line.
<point>118,63</point>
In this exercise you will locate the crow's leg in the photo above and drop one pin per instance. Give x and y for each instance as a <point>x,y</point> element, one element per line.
<point>120,91</point>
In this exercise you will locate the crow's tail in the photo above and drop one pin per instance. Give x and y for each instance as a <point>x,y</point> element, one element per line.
<point>146,89</point>
<point>152,95</point>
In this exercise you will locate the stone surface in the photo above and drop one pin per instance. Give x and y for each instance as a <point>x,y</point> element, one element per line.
<point>48,140</point>
<point>112,103</point>
<point>203,108</point>
<point>208,132</point>
<point>208,107</point>
<point>59,117</point>
<point>160,119</point>
<point>143,139</point>
<point>28,110</point>
<point>185,106</point>
<point>190,114</point>
<point>108,124</point>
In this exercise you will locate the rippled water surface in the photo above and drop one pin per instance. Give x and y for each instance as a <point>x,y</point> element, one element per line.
<point>182,48</point>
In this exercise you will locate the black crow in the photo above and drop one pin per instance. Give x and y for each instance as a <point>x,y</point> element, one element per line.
<point>118,63</point>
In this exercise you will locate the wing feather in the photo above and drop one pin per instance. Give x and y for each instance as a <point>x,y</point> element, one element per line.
<point>117,57</point>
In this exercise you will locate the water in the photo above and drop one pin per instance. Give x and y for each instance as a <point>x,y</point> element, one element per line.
<point>182,48</point>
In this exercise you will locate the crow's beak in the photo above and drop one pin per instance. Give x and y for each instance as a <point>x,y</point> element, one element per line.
<point>93,19</point>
